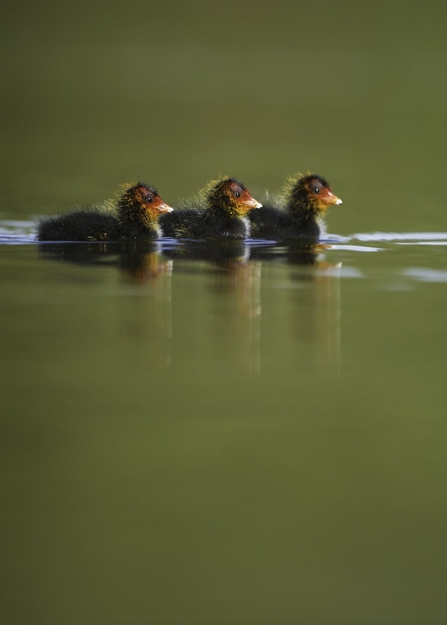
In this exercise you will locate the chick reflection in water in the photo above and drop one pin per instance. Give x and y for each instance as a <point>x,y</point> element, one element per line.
<point>320,306</point>
<point>226,315</point>
<point>150,321</point>
<point>301,303</point>
<point>141,289</point>
<point>143,262</point>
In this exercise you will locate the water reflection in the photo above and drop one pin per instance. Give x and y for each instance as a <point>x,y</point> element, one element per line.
<point>308,307</point>
<point>79,253</point>
<point>143,261</point>
<point>299,298</point>
<point>234,289</point>
<point>319,324</point>
<point>141,264</point>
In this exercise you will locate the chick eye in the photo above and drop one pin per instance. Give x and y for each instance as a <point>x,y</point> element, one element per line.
<point>316,189</point>
<point>237,194</point>
<point>149,199</point>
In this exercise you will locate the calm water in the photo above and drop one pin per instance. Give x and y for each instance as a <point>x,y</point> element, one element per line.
<point>246,433</point>
<point>239,434</point>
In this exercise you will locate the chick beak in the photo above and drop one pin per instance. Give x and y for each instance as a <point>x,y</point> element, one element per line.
<point>331,198</point>
<point>252,203</point>
<point>164,208</point>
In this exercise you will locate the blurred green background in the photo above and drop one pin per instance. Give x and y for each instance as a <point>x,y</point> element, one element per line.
<point>96,94</point>
<point>245,443</point>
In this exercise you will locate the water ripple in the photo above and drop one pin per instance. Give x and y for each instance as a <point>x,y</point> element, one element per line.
<point>426,275</point>
<point>401,236</point>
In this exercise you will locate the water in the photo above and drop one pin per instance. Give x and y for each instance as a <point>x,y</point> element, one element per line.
<point>248,433</point>
<point>253,429</point>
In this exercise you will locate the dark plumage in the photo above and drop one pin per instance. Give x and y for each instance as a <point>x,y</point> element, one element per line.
<point>135,216</point>
<point>306,199</point>
<point>226,204</point>
<point>95,224</point>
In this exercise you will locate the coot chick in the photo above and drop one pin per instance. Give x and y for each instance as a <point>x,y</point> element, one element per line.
<point>223,213</point>
<point>135,216</point>
<point>305,200</point>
